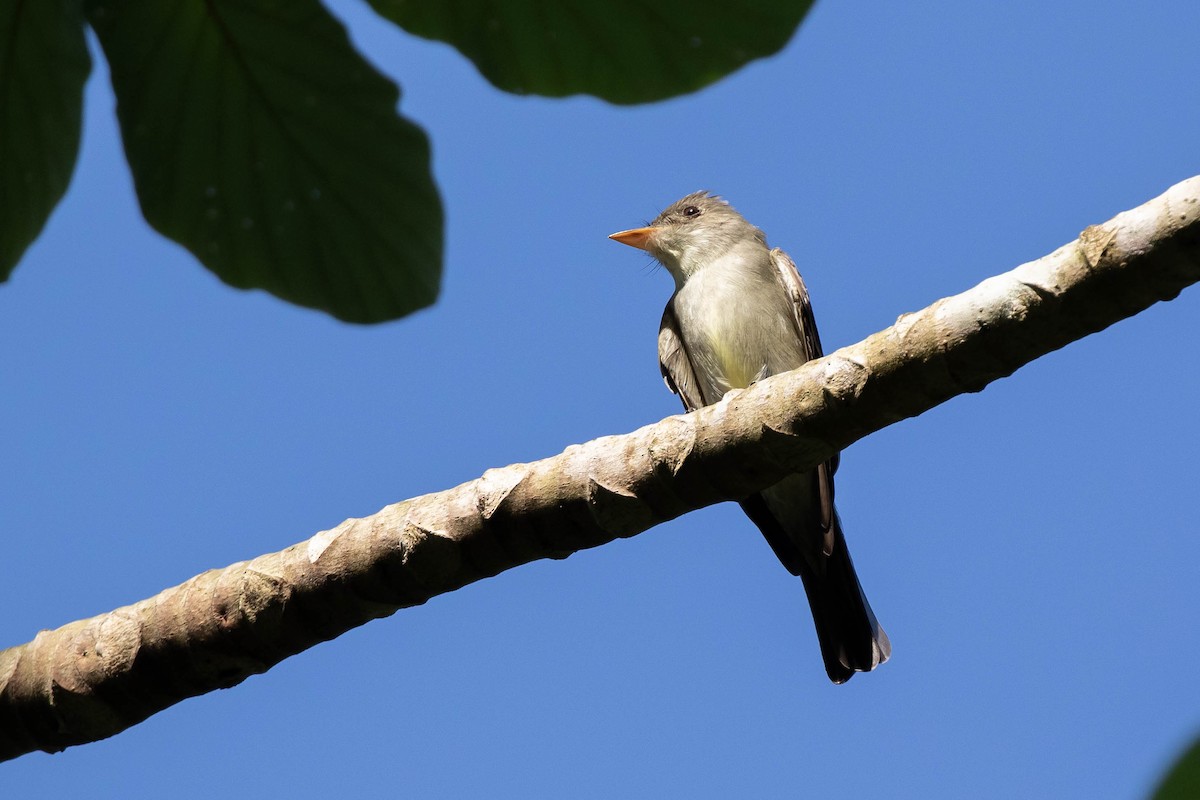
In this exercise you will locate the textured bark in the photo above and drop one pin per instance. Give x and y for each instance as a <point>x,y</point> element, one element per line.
<point>93,678</point>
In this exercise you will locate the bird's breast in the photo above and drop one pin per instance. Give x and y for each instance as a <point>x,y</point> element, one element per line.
<point>737,328</point>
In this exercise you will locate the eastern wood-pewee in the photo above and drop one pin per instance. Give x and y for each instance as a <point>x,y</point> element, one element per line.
<point>740,313</point>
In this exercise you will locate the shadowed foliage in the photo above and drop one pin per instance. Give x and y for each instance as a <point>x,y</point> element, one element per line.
<point>43,66</point>
<point>264,143</point>
<point>634,51</point>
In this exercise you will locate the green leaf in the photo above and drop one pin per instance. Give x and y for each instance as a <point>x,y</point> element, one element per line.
<point>631,51</point>
<point>43,66</point>
<point>1183,781</point>
<point>261,141</point>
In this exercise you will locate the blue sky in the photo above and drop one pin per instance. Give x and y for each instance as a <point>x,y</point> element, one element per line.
<point>1031,550</point>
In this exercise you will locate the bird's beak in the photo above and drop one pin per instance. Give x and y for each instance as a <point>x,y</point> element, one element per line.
<point>635,237</point>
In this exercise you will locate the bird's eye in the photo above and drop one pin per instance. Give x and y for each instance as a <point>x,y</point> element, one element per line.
<point>691,211</point>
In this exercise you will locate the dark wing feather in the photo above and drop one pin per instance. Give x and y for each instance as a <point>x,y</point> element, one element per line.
<point>806,323</point>
<point>806,329</point>
<point>674,362</point>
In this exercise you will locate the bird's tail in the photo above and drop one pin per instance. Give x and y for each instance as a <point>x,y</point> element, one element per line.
<point>847,631</point>
<point>850,637</point>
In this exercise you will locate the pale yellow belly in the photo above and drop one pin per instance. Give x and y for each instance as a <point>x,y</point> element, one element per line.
<point>736,368</point>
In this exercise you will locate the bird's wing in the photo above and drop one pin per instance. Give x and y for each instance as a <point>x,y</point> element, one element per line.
<point>806,328</point>
<point>806,324</point>
<point>674,362</point>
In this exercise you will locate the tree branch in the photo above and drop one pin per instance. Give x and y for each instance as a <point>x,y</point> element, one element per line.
<point>93,678</point>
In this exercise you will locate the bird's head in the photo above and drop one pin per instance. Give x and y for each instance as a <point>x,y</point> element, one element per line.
<point>692,232</point>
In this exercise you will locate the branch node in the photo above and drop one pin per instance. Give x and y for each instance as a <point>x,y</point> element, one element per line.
<point>1094,242</point>
<point>495,485</point>
<point>844,378</point>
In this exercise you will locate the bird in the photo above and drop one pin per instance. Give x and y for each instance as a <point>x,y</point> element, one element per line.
<point>740,313</point>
